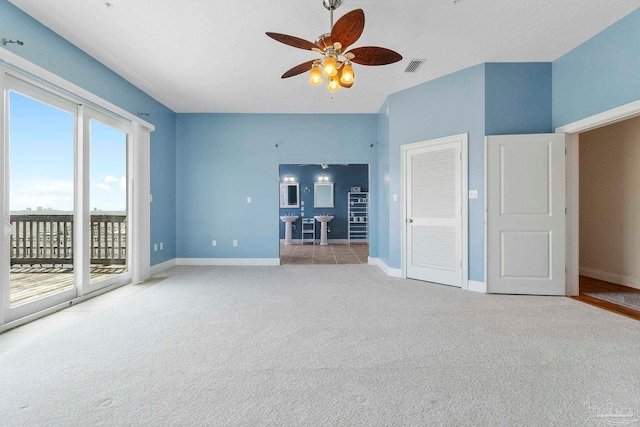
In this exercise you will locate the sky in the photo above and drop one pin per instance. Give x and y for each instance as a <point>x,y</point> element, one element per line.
<point>41,153</point>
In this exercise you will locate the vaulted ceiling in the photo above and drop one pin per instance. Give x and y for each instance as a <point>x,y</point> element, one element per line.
<point>214,56</point>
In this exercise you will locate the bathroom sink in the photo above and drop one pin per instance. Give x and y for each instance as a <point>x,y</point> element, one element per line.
<point>288,222</point>
<point>324,220</point>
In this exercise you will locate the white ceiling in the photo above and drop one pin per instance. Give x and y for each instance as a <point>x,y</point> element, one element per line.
<point>214,56</point>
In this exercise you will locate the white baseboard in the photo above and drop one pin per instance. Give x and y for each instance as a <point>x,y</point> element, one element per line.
<point>393,272</point>
<point>227,261</point>
<point>158,268</point>
<point>631,282</point>
<point>477,286</point>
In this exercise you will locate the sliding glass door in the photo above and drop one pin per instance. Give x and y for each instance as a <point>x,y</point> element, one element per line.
<point>108,200</point>
<point>65,201</point>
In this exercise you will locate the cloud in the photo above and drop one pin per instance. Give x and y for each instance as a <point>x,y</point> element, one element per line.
<point>102,186</point>
<point>123,183</point>
<point>110,178</point>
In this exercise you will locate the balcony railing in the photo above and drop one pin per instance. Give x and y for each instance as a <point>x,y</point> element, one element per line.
<point>48,239</point>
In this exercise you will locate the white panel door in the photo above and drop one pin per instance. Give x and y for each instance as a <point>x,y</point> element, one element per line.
<point>526,214</point>
<point>434,213</point>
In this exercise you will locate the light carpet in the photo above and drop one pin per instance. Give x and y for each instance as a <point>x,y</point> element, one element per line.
<point>325,345</point>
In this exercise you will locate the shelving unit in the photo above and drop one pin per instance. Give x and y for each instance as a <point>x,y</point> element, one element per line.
<point>308,230</point>
<point>358,207</point>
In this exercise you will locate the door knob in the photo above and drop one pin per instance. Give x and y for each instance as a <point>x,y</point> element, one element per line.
<point>409,220</point>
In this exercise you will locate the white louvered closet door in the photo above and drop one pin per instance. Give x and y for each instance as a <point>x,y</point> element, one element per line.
<point>434,214</point>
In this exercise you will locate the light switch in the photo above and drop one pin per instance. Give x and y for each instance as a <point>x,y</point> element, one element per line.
<point>155,247</point>
<point>249,199</point>
<point>395,197</point>
<point>150,198</point>
<point>214,243</point>
<point>473,194</point>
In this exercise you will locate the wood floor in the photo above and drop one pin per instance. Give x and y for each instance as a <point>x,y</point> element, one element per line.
<point>330,254</point>
<point>32,283</point>
<point>589,285</point>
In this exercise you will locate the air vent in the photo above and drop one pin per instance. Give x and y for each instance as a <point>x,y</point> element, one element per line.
<point>414,65</point>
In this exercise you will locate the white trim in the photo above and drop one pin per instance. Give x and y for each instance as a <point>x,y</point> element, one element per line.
<point>140,184</point>
<point>393,272</point>
<point>13,61</point>
<point>605,118</point>
<point>463,138</point>
<point>618,279</point>
<point>5,214</point>
<point>618,114</point>
<point>572,225</point>
<point>159,268</point>
<point>227,261</point>
<point>477,286</point>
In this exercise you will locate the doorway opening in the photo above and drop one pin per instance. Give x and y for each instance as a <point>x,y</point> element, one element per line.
<point>324,213</point>
<point>609,217</point>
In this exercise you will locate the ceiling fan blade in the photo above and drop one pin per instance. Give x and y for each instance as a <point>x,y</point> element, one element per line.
<point>292,41</point>
<point>372,55</point>
<point>299,69</point>
<point>348,28</point>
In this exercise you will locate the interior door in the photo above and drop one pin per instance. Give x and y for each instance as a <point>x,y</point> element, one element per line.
<point>434,212</point>
<point>525,192</point>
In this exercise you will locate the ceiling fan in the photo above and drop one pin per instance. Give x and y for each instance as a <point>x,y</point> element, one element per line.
<point>336,60</point>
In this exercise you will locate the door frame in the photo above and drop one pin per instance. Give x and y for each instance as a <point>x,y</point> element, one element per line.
<point>463,138</point>
<point>139,180</point>
<point>573,130</point>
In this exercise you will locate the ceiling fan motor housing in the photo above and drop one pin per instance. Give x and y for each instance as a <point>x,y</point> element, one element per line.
<point>331,4</point>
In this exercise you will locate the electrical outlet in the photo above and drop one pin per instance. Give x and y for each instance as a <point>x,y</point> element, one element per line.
<point>161,246</point>
<point>395,197</point>
<point>155,247</point>
<point>473,194</point>
<point>214,243</point>
<point>151,198</point>
<point>235,243</point>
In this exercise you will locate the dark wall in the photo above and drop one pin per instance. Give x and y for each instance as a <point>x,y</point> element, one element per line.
<point>343,177</point>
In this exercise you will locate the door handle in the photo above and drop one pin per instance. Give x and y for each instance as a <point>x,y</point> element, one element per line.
<point>409,220</point>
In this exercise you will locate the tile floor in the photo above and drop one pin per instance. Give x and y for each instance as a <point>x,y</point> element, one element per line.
<point>330,254</point>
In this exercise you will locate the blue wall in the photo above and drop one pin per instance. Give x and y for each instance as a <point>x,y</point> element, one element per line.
<point>600,74</point>
<point>379,235</point>
<point>488,99</point>
<point>518,98</point>
<point>344,177</point>
<point>224,158</point>
<point>50,51</point>
<point>446,106</point>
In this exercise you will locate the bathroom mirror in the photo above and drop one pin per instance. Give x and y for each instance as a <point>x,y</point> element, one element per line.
<point>289,195</point>
<point>323,195</point>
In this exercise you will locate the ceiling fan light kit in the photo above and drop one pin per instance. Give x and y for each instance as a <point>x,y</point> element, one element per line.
<point>336,62</point>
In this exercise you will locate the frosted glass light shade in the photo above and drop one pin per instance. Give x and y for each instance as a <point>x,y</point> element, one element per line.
<point>329,66</point>
<point>316,76</point>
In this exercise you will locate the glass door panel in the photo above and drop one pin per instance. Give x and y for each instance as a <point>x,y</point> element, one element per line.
<point>41,144</point>
<point>108,201</point>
